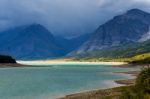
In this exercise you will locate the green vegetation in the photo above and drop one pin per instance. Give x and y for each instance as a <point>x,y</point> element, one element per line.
<point>133,53</point>
<point>6,59</point>
<point>128,50</point>
<point>139,59</point>
<point>138,53</point>
<point>141,90</point>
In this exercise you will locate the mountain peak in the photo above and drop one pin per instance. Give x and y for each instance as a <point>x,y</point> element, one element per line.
<point>32,41</point>
<point>36,30</point>
<point>136,12</point>
<point>126,28</point>
<point>35,26</point>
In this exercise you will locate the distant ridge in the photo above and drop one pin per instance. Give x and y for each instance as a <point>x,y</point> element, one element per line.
<point>33,42</point>
<point>29,42</point>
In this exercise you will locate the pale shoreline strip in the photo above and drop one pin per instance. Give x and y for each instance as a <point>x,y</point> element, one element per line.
<point>70,63</point>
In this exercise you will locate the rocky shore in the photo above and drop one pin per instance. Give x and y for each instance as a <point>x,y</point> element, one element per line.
<point>111,93</point>
<point>4,65</point>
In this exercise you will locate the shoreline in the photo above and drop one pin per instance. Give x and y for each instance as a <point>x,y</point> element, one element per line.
<point>71,63</point>
<point>111,93</point>
<point>119,83</point>
<point>5,65</point>
<point>101,93</point>
<point>95,94</point>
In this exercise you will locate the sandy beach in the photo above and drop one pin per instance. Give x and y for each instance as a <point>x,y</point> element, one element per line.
<point>68,62</point>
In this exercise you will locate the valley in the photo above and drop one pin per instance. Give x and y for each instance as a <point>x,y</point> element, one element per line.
<point>108,57</point>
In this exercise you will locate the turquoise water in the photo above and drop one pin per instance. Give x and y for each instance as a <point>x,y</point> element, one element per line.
<point>55,80</point>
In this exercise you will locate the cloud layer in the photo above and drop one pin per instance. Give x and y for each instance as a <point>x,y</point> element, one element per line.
<point>65,17</point>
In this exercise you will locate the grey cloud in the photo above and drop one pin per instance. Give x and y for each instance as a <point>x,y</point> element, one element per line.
<point>65,17</point>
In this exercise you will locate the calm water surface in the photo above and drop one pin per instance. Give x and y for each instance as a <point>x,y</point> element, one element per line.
<point>56,80</point>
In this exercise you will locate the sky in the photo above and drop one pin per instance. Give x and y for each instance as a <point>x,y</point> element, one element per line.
<point>68,18</point>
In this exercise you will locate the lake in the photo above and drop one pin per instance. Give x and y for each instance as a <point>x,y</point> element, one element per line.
<point>48,82</point>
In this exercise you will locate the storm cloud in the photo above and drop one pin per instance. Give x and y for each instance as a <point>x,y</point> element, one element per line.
<point>65,17</point>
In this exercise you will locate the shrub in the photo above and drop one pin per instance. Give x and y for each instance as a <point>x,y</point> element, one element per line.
<point>141,90</point>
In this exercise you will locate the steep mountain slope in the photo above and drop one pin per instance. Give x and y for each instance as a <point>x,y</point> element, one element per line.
<point>29,42</point>
<point>123,51</point>
<point>133,26</point>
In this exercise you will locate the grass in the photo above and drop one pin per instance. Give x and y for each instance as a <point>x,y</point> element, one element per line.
<point>139,59</point>
<point>134,52</point>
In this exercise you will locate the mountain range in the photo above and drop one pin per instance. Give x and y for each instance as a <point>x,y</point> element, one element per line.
<point>29,42</point>
<point>130,27</point>
<point>36,42</point>
<point>123,51</point>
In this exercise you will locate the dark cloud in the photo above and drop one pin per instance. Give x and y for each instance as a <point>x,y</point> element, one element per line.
<point>65,17</point>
